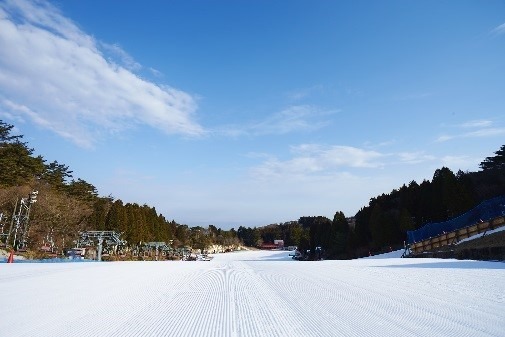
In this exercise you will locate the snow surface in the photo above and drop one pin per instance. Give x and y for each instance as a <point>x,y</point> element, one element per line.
<point>389,255</point>
<point>254,294</point>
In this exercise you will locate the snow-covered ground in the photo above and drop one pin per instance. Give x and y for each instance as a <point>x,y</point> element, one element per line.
<point>254,294</point>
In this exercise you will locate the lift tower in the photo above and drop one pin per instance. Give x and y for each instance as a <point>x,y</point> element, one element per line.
<point>98,239</point>
<point>20,222</point>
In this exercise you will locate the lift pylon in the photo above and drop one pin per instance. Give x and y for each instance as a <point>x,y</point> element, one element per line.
<point>20,220</point>
<point>98,239</point>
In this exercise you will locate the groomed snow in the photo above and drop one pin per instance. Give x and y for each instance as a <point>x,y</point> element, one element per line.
<point>254,294</point>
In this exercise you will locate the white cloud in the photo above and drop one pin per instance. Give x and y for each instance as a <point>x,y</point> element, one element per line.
<point>499,30</point>
<point>476,124</point>
<point>386,143</point>
<point>296,118</point>
<point>482,128</point>
<point>56,75</point>
<point>299,94</point>
<point>156,72</point>
<point>415,157</point>
<point>488,132</point>
<point>312,158</point>
<point>444,138</point>
<point>125,59</point>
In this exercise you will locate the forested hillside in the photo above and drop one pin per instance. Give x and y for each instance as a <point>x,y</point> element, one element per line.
<point>67,205</point>
<point>383,223</point>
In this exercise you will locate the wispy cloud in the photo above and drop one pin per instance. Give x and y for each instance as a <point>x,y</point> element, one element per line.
<point>156,72</point>
<point>299,94</point>
<point>63,79</point>
<point>488,132</point>
<point>296,118</point>
<point>474,129</point>
<point>415,157</point>
<point>499,30</point>
<point>444,138</point>
<point>385,143</point>
<point>116,52</point>
<point>313,158</point>
<point>476,124</point>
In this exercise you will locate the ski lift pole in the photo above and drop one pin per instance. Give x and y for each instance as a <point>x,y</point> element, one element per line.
<point>18,224</point>
<point>100,246</point>
<point>12,223</point>
<point>24,235</point>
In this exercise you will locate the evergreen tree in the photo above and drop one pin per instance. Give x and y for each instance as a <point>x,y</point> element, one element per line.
<point>339,235</point>
<point>82,190</point>
<point>496,162</point>
<point>56,175</point>
<point>362,227</point>
<point>406,221</point>
<point>100,213</point>
<point>17,164</point>
<point>377,226</point>
<point>117,220</point>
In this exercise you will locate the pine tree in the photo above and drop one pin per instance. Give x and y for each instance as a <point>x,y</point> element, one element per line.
<point>56,175</point>
<point>339,235</point>
<point>377,226</point>
<point>82,190</point>
<point>17,163</point>
<point>496,162</point>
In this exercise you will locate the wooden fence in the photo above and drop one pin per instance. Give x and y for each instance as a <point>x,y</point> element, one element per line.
<point>454,237</point>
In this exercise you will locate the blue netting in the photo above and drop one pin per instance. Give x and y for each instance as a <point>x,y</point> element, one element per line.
<point>485,211</point>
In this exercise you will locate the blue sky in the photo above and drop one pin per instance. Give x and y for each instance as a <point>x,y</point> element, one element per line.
<point>254,112</point>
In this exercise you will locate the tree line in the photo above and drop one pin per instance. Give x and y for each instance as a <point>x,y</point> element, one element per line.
<point>67,205</point>
<point>382,224</point>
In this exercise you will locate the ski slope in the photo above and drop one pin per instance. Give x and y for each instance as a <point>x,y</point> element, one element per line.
<point>254,294</point>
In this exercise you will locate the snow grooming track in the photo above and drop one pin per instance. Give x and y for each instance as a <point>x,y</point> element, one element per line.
<point>260,311</point>
<point>254,294</point>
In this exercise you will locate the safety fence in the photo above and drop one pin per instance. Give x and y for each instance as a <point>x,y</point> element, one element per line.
<point>456,236</point>
<point>485,211</point>
<point>481,214</point>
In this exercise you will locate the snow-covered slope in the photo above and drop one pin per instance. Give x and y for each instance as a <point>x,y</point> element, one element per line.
<point>254,294</point>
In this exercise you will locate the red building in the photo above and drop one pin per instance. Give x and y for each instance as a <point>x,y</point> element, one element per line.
<point>279,244</point>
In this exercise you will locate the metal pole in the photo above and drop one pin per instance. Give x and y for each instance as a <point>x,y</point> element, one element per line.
<point>18,217</point>
<point>99,256</point>
<point>27,219</point>
<point>12,223</point>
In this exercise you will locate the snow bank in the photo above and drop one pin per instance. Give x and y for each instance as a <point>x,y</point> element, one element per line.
<point>254,294</point>
<point>390,255</point>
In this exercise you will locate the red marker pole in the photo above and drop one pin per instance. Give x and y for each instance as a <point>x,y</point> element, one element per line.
<point>11,257</point>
